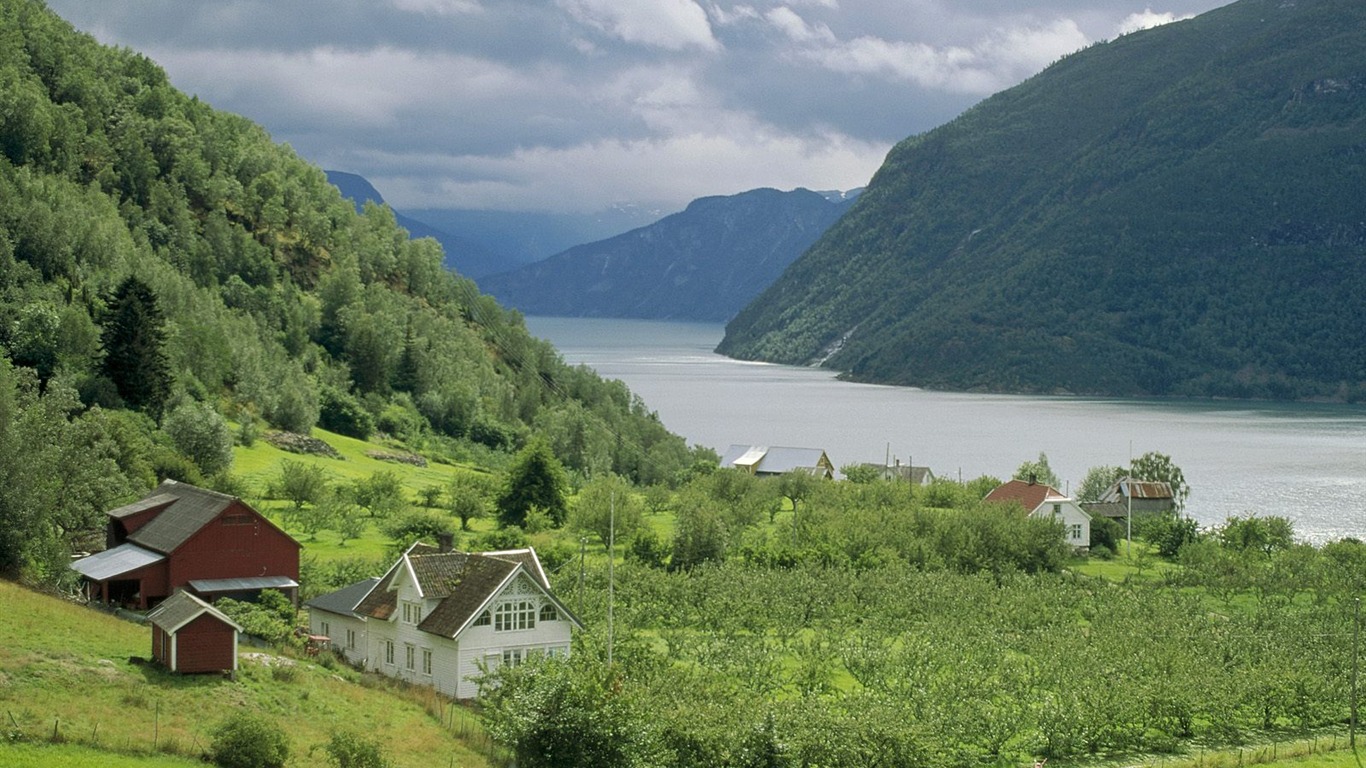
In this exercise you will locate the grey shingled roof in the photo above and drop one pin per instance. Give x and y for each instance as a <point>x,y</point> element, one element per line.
<point>181,608</point>
<point>157,499</point>
<point>343,602</point>
<point>192,509</point>
<point>114,562</point>
<point>464,582</point>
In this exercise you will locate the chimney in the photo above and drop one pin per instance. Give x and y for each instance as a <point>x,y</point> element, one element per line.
<point>445,542</point>
<point>1033,478</point>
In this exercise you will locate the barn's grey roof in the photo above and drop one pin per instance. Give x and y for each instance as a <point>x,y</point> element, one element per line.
<point>775,460</point>
<point>249,584</point>
<point>182,608</point>
<point>122,559</point>
<point>192,509</point>
<point>151,502</point>
<point>343,602</point>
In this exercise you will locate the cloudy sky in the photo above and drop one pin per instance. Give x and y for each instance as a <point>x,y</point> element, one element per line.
<point>575,105</point>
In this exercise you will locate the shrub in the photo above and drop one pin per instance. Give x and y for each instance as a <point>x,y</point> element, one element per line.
<point>348,750</point>
<point>246,740</point>
<point>339,412</point>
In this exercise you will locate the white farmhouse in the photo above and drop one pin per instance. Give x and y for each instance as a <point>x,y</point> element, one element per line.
<point>438,614</point>
<point>1047,502</point>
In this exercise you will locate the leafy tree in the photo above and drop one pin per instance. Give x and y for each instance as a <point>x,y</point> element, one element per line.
<point>603,504</point>
<point>795,487</point>
<point>430,496</point>
<point>466,501</point>
<point>301,483</point>
<point>1039,471</point>
<point>699,537</point>
<point>416,525</point>
<point>536,478</point>
<point>860,473</point>
<point>249,740</point>
<point>563,713</point>
<point>134,340</point>
<point>381,494</point>
<point>200,433</point>
<point>1158,467</point>
<point>1265,535</point>
<point>339,412</point>
<point>1098,480</point>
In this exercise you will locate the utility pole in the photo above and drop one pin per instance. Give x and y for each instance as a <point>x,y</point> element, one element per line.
<point>583,550</point>
<point>611,569</point>
<point>1356,644</point>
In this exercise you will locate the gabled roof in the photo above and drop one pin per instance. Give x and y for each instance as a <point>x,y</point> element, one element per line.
<point>1030,495</point>
<point>1139,489</point>
<point>182,608</point>
<point>185,510</point>
<point>122,559</point>
<point>775,460</point>
<point>464,582</point>
<point>344,601</point>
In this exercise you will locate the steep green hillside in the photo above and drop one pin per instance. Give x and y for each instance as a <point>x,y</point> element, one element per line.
<point>1180,211</point>
<point>703,263</point>
<point>170,264</point>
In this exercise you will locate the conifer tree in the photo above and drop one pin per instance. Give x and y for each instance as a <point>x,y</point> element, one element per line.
<point>134,340</point>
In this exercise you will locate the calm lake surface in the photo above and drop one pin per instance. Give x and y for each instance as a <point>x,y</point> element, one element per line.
<point>1306,462</point>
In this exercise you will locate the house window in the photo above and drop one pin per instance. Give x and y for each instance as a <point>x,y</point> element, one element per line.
<point>389,652</point>
<point>412,612</point>
<point>426,661</point>
<point>514,614</point>
<point>326,630</point>
<point>484,620</point>
<point>410,657</point>
<point>513,656</point>
<point>1076,531</point>
<point>350,638</point>
<point>548,613</point>
<point>1057,509</point>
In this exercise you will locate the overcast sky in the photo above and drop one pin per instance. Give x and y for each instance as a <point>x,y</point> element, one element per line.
<point>575,105</point>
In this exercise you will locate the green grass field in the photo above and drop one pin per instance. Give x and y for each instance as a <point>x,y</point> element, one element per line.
<point>66,669</point>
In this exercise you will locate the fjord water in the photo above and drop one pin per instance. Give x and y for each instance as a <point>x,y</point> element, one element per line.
<point>1306,462</point>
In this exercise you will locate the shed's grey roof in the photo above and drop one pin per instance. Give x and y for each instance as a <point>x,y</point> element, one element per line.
<point>192,509</point>
<point>182,608</point>
<point>122,559</point>
<point>343,602</point>
<point>243,584</point>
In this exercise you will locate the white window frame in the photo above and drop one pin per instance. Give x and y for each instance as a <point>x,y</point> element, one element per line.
<point>514,616</point>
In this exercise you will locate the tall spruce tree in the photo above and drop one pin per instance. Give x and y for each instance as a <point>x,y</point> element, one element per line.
<point>134,338</point>
<point>535,479</point>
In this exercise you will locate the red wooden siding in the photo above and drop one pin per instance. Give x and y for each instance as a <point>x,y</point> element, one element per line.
<point>239,544</point>
<point>205,645</point>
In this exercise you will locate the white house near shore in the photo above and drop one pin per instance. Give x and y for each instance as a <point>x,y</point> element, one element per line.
<point>438,614</point>
<point>1044,501</point>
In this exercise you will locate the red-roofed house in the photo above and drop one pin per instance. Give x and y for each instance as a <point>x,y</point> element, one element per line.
<point>183,537</point>
<point>1044,501</point>
<point>437,614</point>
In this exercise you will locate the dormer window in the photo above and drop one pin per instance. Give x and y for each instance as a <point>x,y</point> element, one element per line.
<point>412,612</point>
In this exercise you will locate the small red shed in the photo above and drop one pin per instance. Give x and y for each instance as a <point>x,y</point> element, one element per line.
<point>189,636</point>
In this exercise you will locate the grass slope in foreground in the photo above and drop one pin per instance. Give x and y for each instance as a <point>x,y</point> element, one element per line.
<point>66,667</point>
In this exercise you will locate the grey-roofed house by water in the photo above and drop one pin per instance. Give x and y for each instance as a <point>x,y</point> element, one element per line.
<point>777,460</point>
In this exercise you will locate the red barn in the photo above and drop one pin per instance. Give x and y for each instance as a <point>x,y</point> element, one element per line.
<point>189,636</point>
<point>183,537</point>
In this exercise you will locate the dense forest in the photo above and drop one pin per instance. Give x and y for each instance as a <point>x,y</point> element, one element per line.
<point>1176,212</point>
<point>168,272</point>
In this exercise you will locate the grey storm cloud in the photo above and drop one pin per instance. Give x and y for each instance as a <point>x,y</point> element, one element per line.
<point>578,104</point>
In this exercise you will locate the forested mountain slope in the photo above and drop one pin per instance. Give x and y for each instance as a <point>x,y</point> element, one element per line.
<point>1180,211</point>
<point>256,292</point>
<point>703,263</point>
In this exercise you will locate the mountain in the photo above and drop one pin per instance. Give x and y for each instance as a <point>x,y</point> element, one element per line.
<point>522,237</point>
<point>463,255</point>
<point>1179,211</point>
<point>703,263</point>
<point>159,255</point>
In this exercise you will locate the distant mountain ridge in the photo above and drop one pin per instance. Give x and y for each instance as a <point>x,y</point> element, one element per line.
<point>701,264</point>
<point>1180,211</point>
